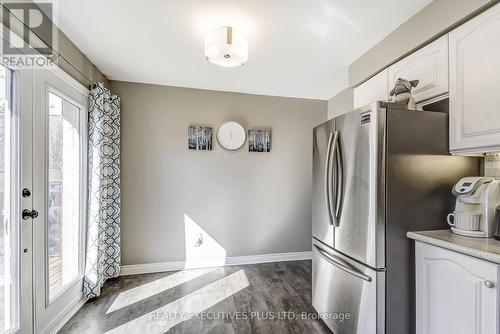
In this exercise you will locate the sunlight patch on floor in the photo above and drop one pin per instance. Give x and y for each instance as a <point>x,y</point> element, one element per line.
<point>147,290</point>
<point>183,308</point>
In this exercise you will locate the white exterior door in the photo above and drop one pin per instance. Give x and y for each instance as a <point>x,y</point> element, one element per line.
<point>474,82</point>
<point>59,194</point>
<point>455,293</point>
<point>16,201</point>
<point>15,175</point>
<point>43,146</point>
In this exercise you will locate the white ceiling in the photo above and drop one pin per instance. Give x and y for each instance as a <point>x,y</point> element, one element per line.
<point>298,48</point>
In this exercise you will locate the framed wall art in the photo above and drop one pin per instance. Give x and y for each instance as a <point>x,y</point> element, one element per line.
<point>259,141</point>
<point>200,138</point>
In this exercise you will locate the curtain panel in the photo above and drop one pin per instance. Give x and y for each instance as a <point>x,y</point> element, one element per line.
<point>103,222</point>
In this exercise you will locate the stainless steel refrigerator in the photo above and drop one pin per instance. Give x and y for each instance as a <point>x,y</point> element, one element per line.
<point>378,172</point>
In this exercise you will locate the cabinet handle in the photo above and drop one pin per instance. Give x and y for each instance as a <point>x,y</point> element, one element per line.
<point>489,284</point>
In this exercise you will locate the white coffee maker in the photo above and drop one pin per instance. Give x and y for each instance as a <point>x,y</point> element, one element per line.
<point>477,199</point>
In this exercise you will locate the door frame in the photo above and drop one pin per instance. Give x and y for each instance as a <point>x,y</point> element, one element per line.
<point>23,83</point>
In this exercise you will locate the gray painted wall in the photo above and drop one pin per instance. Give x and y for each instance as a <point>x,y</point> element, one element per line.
<point>433,21</point>
<point>250,203</point>
<point>341,103</point>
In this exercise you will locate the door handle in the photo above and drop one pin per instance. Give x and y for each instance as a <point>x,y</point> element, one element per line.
<point>29,214</point>
<point>328,174</point>
<point>336,156</point>
<point>339,181</point>
<point>348,269</point>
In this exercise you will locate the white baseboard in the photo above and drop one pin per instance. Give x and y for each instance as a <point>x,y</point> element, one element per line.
<point>266,258</point>
<point>134,269</point>
<point>147,268</point>
<point>64,316</point>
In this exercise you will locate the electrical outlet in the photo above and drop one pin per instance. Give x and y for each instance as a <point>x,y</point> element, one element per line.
<point>199,240</point>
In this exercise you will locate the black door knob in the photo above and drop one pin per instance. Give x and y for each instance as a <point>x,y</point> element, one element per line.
<point>27,214</point>
<point>26,192</point>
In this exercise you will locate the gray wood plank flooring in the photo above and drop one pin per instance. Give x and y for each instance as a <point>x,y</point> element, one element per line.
<point>236,299</point>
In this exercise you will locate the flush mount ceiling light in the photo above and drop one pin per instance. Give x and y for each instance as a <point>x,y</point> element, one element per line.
<point>226,47</point>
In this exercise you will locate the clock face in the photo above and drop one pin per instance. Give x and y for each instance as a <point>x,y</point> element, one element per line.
<point>231,136</point>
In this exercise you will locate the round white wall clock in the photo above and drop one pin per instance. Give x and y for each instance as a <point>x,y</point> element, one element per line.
<point>231,136</point>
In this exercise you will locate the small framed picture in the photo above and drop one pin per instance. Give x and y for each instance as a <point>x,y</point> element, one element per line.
<point>200,138</point>
<point>259,141</point>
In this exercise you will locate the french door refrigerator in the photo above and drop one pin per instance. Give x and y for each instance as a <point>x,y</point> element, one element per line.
<point>378,172</point>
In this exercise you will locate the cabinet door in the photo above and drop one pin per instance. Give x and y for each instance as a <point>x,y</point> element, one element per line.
<point>453,293</point>
<point>429,65</point>
<point>474,84</point>
<point>376,88</point>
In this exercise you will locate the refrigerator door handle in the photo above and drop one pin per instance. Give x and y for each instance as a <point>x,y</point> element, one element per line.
<point>336,174</point>
<point>339,180</point>
<point>332,139</point>
<point>330,258</point>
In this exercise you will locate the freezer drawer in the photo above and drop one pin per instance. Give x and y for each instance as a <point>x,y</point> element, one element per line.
<point>348,296</point>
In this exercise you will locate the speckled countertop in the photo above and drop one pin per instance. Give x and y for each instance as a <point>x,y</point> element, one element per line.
<point>484,248</point>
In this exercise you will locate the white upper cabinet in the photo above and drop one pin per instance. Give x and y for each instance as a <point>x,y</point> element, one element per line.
<point>376,88</point>
<point>455,293</point>
<point>475,84</point>
<point>429,65</point>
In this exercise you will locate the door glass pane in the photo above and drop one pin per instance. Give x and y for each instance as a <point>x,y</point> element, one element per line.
<point>9,259</point>
<point>64,193</point>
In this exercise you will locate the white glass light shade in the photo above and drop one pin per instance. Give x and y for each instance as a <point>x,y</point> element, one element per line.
<point>226,47</point>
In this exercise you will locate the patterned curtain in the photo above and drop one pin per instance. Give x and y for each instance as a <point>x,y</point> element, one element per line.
<point>103,222</point>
